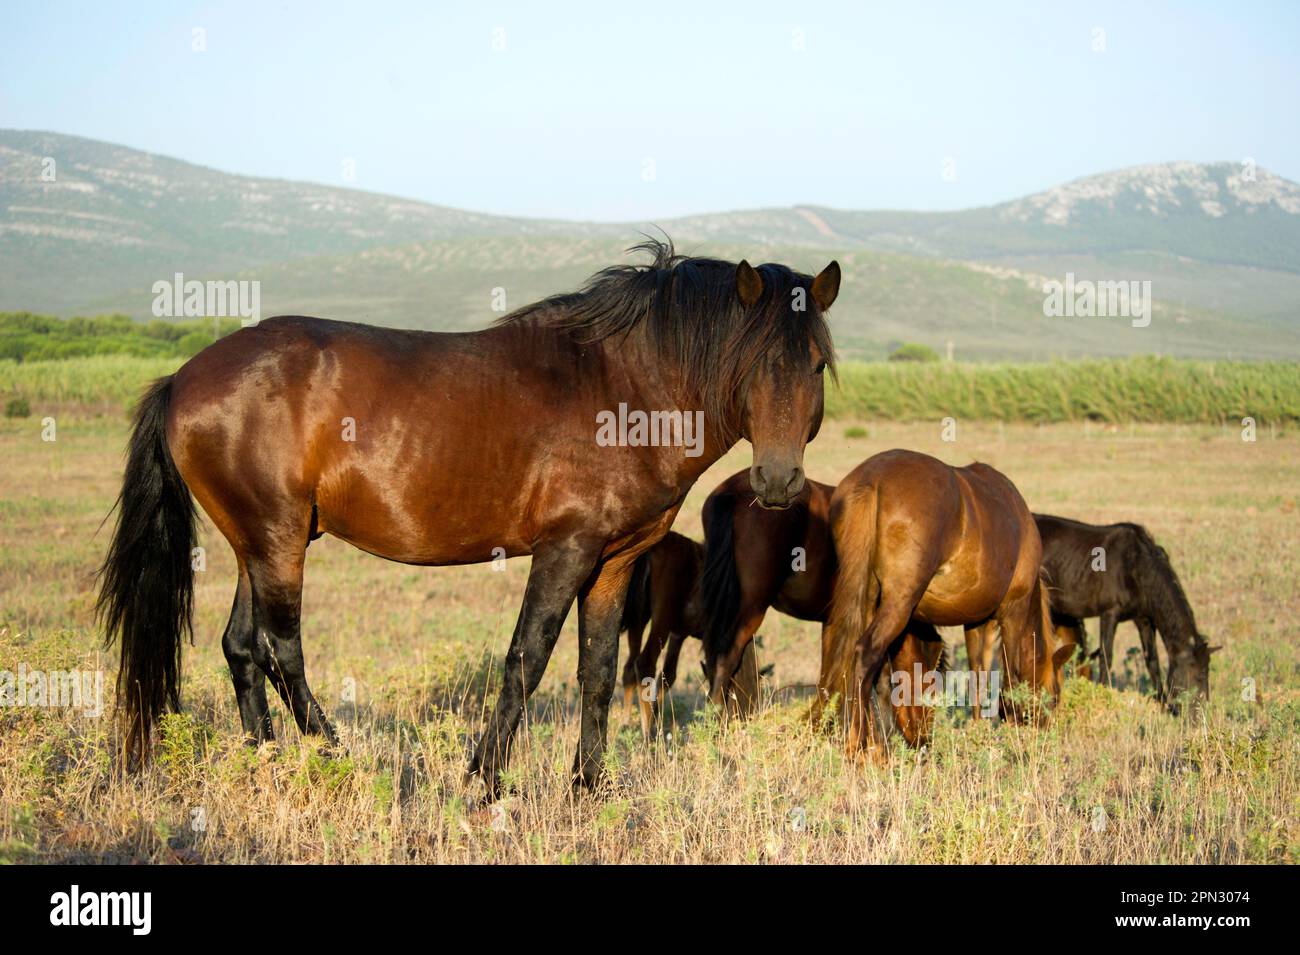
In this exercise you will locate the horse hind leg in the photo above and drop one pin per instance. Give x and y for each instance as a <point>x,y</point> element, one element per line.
<point>631,676</point>
<point>728,681</point>
<point>277,649</point>
<point>239,643</point>
<point>872,647</point>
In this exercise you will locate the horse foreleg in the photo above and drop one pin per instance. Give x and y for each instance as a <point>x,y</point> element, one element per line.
<point>647,667</point>
<point>979,656</point>
<point>1147,634</point>
<point>631,676</point>
<point>1070,630</point>
<point>1106,647</point>
<point>600,608</point>
<point>675,641</point>
<point>914,717</point>
<point>557,572</point>
<point>727,666</point>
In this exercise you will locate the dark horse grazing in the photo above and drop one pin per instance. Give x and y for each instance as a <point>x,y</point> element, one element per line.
<point>664,594</point>
<point>918,539</point>
<point>758,558</point>
<point>437,449</point>
<point>1118,572</point>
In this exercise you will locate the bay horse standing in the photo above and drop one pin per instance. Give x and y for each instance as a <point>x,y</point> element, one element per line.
<point>1118,572</point>
<point>761,557</point>
<point>456,448</point>
<point>919,539</point>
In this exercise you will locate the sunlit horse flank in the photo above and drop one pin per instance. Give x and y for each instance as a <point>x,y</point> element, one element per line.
<point>453,448</point>
<point>918,539</point>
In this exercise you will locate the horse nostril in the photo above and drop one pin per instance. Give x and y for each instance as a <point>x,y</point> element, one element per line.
<point>795,484</point>
<point>756,480</point>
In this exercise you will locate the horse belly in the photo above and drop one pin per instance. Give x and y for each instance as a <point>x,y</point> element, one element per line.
<point>429,545</point>
<point>420,527</point>
<point>963,592</point>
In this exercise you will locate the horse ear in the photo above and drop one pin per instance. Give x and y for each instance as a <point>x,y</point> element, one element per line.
<point>749,284</point>
<point>826,286</point>
<point>1216,649</point>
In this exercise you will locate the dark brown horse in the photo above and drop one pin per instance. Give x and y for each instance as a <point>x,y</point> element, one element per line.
<point>758,558</point>
<point>1118,572</point>
<point>918,539</point>
<point>564,432</point>
<point>665,594</point>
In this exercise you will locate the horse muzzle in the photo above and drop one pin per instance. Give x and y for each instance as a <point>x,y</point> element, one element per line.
<point>775,487</point>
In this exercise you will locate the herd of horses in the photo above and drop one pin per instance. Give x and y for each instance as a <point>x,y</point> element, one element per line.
<point>454,448</point>
<point>962,550</point>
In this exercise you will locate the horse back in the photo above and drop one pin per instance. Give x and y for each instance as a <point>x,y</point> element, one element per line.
<point>426,448</point>
<point>1091,568</point>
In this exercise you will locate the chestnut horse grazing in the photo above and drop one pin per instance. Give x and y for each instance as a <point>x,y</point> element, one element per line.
<point>438,449</point>
<point>758,557</point>
<point>948,546</point>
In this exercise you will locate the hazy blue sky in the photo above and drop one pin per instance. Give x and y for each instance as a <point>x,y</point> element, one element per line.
<point>721,98</point>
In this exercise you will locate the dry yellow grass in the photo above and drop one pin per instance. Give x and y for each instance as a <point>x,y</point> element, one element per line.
<point>1112,780</point>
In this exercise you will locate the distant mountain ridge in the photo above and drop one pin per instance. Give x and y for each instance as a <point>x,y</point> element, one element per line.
<point>1220,240</point>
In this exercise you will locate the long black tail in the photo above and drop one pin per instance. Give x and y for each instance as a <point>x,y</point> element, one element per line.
<point>147,581</point>
<point>721,584</point>
<point>636,608</point>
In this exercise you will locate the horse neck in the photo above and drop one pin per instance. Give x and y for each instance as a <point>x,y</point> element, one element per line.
<point>659,387</point>
<point>1169,609</point>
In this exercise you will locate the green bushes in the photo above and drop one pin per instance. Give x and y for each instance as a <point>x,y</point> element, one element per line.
<point>1104,390</point>
<point>92,380</point>
<point>26,337</point>
<point>910,351</point>
<point>110,360</point>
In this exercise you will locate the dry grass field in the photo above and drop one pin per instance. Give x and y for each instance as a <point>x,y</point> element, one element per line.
<point>409,657</point>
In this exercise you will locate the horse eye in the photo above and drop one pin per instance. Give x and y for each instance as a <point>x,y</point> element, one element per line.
<point>821,367</point>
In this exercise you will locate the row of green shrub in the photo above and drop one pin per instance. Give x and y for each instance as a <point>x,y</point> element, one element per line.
<point>108,360</point>
<point>1107,390</point>
<point>27,337</point>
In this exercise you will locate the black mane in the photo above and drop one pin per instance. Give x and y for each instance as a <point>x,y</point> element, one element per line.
<point>688,309</point>
<point>1161,590</point>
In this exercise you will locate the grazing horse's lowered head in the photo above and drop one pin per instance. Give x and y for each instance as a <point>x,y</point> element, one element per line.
<point>1189,674</point>
<point>1039,662</point>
